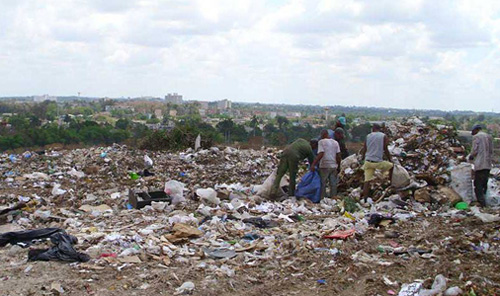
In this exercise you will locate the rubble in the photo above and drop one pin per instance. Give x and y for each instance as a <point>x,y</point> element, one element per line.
<point>212,228</point>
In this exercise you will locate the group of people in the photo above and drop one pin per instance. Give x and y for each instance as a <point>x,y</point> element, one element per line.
<point>325,156</point>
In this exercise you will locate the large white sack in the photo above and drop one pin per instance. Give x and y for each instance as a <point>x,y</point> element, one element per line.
<point>400,177</point>
<point>461,181</point>
<point>265,190</point>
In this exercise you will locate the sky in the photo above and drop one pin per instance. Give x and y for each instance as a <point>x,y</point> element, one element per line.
<point>422,54</point>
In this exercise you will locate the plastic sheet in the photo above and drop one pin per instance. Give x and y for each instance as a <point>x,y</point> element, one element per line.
<point>310,187</point>
<point>62,250</point>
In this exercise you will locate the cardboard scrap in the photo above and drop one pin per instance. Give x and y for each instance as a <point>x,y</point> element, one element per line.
<point>181,232</point>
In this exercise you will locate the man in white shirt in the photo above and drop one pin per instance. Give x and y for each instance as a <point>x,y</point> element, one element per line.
<point>329,159</point>
<point>481,155</point>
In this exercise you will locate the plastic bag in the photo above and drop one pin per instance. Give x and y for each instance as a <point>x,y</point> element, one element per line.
<point>265,190</point>
<point>148,162</point>
<point>197,143</point>
<point>310,187</point>
<point>76,173</point>
<point>208,195</point>
<point>453,291</point>
<point>485,217</point>
<point>56,190</point>
<point>438,286</point>
<point>400,177</point>
<point>175,189</point>
<point>62,250</point>
<point>461,181</point>
<point>26,236</point>
<point>492,196</point>
<point>412,289</point>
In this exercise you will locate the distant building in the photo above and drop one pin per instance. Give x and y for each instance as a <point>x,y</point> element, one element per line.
<point>159,126</point>
<point>224,104</point>
<point>173,98</point>
<point>158,113</point>
<point>273,115</point>
<point>109,108</point>
<point>203,112</point>
<point>172,113</point>
<point>44,98</point>
<point>203,104</point>
<point>8,114</point>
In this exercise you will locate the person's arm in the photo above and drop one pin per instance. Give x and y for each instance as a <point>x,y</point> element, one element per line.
<point>316,161</point>
<point>475,148</point>
<point>338,156</point>
<point>386,149</point>
<point>363,151</point>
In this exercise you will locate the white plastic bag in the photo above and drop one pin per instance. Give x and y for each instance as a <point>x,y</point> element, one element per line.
<point>208,195</point>
<point>461,181</point>
<point>148,162</point>
<point>76,174</point>
<point>412,289</point>
<point>492,196</point>
<point>453,291</point>
<point>400,177</point>
<point>438,286</point>
<point>56,190</point>
<point>485,217</point>
<point>175,189</point>
<point>197,143</point>
<point>265,190</point>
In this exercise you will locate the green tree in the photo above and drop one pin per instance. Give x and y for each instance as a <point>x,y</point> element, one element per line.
<point>282,122</point>
<point>122,124</point>
<point>253,123</point>
<point>226,126</point>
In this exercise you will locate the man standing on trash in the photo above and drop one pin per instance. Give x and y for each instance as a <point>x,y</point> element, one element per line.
<point>290,158</point>
<point>329,163</point>
<point>342,120</point>
<point>481,155</point>
<point>373,152</point>
<point>339,136</point>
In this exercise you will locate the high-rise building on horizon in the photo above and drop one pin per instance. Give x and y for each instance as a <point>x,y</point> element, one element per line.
<point>174,98</point>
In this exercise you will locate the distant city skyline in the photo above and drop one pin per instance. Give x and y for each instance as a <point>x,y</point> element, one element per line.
<point>408,54</point>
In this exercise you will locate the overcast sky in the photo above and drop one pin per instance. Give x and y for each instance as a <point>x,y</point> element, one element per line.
<point>434,54</point>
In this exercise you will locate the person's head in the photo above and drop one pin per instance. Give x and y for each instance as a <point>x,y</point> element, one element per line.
<point>343,115</point>
<point>338,124</point>
<point>324,134</point>
<point>476,129</point>
<point>339,135</point>
<point>314,143</point>
<point>376,127</point>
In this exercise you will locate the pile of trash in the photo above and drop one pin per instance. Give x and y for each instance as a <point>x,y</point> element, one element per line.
<point>206,210</point>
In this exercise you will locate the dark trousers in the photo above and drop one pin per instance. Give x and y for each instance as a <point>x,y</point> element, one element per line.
<point>287,164</point>
<point>481,185</point>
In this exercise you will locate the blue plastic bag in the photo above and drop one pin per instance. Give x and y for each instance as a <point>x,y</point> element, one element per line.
<point>310,187</point>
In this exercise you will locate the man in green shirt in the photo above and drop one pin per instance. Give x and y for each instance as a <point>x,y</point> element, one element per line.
<point>290,158</point>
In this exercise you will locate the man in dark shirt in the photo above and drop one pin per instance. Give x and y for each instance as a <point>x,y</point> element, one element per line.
<point>290,158</point>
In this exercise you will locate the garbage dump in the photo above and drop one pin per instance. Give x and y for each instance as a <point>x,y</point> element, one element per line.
<point>201,224</point>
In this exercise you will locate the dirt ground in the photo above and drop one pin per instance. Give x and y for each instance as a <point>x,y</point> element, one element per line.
<point>295,273</point>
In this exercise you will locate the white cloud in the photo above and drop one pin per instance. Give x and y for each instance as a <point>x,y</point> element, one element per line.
<point>408,53</point>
